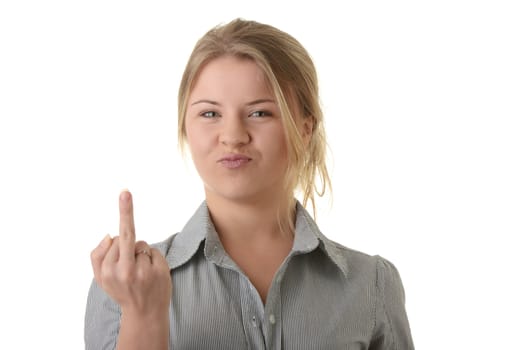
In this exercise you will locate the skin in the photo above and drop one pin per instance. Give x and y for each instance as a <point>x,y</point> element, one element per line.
<point>231,112</point>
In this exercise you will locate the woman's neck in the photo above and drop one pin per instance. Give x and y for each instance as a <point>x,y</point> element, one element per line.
<point>251,236</point>
<point>249,220</point>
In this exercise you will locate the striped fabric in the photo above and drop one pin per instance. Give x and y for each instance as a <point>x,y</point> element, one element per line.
<point>324,296</point>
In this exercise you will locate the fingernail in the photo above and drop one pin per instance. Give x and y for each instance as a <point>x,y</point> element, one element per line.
<point>125,195</point>
<point>107,239</point>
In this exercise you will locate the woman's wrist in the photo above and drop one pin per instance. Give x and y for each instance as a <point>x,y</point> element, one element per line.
<point>144,330</point>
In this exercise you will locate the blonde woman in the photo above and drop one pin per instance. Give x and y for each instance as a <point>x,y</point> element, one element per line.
<point>251,269</point>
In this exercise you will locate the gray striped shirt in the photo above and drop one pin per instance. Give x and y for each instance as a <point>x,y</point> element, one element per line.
<point>324,296</point>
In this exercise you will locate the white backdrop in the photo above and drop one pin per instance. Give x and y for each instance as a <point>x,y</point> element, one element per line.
<point>424,106</point>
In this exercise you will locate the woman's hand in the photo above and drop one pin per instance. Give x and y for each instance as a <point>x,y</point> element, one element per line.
<point>137,277</point>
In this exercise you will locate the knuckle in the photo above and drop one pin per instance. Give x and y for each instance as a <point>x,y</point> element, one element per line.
<point>157,254</point>
<point>141,244</point>
<point>142,275</point>
<point>95,255</point>
<point>106,275</point>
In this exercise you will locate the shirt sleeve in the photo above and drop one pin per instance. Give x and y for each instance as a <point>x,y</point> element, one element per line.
<point>102,320</point>
<point>392,330</point>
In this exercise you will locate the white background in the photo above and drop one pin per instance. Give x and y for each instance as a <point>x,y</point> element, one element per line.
<point>424,105</point>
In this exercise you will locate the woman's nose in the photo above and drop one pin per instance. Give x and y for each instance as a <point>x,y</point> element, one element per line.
<point>234,132</point>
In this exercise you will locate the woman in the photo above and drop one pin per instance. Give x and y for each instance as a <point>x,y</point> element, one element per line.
<point>250,269</point>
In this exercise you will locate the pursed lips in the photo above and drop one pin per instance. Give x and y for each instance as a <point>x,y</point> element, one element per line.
<point>233,161</point>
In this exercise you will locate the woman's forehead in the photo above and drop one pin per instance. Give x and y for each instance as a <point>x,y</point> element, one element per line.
<point>228,76</point>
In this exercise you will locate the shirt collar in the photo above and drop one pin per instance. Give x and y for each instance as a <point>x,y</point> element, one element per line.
<point>308,237</point>
<point>200,228</point>
<point>185,244</point>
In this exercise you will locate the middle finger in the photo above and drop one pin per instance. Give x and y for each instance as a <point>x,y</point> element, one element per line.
<point>127,226</point>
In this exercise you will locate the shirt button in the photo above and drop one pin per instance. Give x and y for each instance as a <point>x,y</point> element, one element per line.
<point>272,319</point>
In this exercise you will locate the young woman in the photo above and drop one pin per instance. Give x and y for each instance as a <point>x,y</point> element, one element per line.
<point>251,269</point>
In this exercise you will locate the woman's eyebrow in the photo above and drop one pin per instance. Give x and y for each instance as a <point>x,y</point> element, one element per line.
<point>262,100</point>
<point>206,101</point>
<point>254,102</point>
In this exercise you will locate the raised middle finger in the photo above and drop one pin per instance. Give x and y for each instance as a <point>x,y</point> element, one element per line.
<point>127,226</point>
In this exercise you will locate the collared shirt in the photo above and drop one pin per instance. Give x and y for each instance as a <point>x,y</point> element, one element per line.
<point>324,296</point>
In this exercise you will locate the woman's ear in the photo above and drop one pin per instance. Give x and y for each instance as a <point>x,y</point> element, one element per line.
<point>307,125</point>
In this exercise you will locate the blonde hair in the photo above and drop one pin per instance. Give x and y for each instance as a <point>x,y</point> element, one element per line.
<point>291,75</point>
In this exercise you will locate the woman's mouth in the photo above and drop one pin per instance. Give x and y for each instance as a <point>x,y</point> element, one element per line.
<point>233,161</point>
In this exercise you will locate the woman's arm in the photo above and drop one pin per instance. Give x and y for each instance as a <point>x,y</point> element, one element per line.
<point>392,330</point>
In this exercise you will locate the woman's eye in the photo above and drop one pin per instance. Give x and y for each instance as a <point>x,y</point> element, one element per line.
<point>209,114</point>
<point>259,114</point>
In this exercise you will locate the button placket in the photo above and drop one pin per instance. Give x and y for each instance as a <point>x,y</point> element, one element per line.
<point>273,314</point>
<point>251,314</point>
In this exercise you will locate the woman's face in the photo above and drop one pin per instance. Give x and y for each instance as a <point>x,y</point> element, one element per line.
<point>235,132</point>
